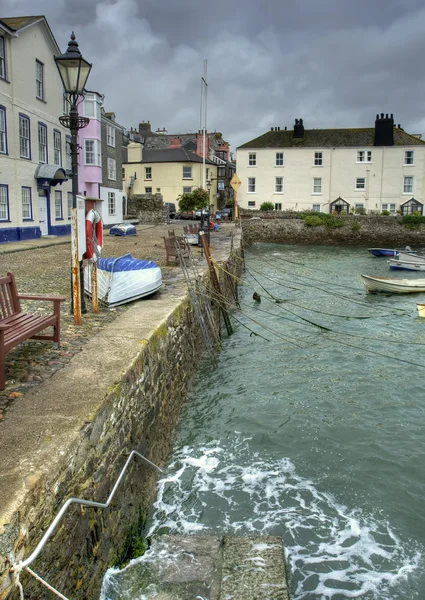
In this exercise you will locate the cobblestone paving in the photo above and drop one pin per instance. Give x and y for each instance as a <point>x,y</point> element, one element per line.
<point>46,271</point>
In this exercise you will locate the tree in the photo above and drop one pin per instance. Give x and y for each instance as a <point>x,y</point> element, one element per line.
<point>199,198</point>
<point>186,202</point>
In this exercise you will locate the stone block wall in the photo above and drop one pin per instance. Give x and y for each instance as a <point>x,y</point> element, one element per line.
<point>146,207</point>
<point>140,414</point>
<point>357,230</point>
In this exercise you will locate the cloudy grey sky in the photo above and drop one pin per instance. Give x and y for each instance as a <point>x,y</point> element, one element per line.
<point>335,63</point>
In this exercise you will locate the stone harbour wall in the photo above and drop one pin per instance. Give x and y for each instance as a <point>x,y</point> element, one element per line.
<point>138,413</point>
<point>146,207</point>
<point>357,230</point>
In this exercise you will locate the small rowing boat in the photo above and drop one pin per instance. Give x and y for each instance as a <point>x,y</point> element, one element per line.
<point>407,265</point>
<point>389,252</point>
<point>394,286</point>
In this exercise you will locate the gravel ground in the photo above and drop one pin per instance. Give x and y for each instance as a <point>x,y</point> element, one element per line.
<point>46,271</point>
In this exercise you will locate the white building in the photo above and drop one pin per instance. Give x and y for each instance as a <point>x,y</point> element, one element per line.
<point>334,170</point>
<point>35,194</point>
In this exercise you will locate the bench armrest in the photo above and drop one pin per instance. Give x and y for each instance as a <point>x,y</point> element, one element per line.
<point>4,326</point>
<point>52,298</point>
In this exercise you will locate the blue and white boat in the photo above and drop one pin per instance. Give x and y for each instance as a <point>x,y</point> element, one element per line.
<point>123,279</point>
<point>123,229</point>
<point>390,252</point>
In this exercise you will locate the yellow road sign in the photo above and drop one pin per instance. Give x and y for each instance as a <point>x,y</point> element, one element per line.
<point>235,182</point>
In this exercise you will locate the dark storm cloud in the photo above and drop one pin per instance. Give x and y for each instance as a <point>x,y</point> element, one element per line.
<point>333,62</point>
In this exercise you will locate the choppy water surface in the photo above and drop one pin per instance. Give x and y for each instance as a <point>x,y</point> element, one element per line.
<point>314,435</point>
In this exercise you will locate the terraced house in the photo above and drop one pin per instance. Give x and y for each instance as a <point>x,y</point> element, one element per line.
<point>381,168</point>
<point>35,193</point>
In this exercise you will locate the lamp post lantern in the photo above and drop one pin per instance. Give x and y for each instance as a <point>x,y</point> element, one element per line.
<point>74,71</point>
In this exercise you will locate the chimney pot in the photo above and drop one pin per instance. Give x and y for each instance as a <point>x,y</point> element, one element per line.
<point>382,115</point>
<point>386,116</point>
<point>286,128</point>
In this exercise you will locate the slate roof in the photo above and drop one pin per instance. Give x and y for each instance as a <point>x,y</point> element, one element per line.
<point>163,141</point>
<point>329,138</point>
<point>17,23</point>
<point>169,155</point>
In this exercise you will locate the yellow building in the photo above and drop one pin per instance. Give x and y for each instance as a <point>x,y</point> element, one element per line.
<point>171,172</point>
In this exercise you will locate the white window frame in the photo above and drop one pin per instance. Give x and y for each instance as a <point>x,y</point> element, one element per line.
<point>68,154</point>
<point>148,190</point>
<point>112,169</point>
<point>42,144</point>
<point>318,159</point>
<point>406,158</point>
<point>364,156</point>
<point>58,205</point>
<point>3,131</point>
<point>24,137</point>
<point>408,185</point>
<point>148,173</point>
<point>26,203</point>
<point>252,159</point>
<point>251,185</point>
<point>187,168</point>
<point>317,186</point>
<point>112,205</point>
<point>187,189</point>
<point>69,200</point>
<point>251,203</point>
<point>315,208</point>
<point>357,187</point>
<point>95,153</point>
<point>278,186</point>
<point>279,159</point>
<point>4,203</point>
<point>91,100</point>
<point>2,58</point>
<point>57,148</point>
<point>110,136</point>
<point>390,207</point>
<point>39,79</point>
<point>278,205</point>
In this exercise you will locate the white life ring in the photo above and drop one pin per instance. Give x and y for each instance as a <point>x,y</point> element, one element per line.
<point>94,236</point>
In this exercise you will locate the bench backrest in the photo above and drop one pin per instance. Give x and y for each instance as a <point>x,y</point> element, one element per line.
<point>9,301</point>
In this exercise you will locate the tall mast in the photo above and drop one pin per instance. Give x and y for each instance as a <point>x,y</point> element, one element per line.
<point>204,93</point>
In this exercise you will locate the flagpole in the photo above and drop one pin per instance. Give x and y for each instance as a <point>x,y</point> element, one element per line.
<point>204,93</point>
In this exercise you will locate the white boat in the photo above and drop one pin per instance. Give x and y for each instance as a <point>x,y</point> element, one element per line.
<point>394,286</point>
<point>123,279</point>
<point>409,257</point>
<point>421,309</point>
<point>398,265</point>
<point>191,238</point>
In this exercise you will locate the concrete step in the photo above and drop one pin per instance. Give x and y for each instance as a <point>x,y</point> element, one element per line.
<point>185,567</point>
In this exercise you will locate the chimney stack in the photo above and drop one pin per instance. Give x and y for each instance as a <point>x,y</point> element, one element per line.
<point>298,128</point>
<point>384,130</point>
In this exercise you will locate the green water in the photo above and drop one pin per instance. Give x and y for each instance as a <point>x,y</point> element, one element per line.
<point>314,435</point>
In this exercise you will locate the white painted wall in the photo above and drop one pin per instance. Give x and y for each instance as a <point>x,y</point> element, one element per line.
<point>18,95</point>
<point>384,177</point>
<point>102,207</point>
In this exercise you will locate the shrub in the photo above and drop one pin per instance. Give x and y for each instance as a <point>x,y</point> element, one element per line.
<point>313,221</point>
<point>355,227</point>
<point>266,206</point>
<point>186,202</point>
<point>386,213</point>
<point>413,221</point>
<point>201,197</point>
<point>360,210</point>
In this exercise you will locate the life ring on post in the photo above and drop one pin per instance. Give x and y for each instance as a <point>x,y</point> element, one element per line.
<point>94,236</point>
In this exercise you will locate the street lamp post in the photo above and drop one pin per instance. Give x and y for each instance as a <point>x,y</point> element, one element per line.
<point>74,71</point>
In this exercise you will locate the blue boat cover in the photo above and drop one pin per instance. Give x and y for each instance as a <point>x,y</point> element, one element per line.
<point>123,229</point>
<point>124,263</point>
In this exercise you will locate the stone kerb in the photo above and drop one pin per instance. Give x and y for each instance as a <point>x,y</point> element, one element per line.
<point>147,208</point>
<point>71,436</point>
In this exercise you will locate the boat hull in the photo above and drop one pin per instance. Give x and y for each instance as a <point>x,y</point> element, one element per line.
<point>388,252</point>
<point>393,286</point>
<point>115,286</point>
<point>421,309</point>
<point>401,265</point>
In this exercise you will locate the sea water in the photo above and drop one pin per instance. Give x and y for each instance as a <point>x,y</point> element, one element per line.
<point>311,427</point>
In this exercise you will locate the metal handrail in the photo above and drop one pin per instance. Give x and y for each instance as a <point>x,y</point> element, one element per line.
<point>23,564</point>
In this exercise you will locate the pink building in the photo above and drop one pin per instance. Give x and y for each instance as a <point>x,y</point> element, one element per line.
<point>90,142</point>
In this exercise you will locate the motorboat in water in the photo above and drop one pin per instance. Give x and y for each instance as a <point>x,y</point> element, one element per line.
<point>394,286</point>
<point>390,252</point>
<point>123,279</point>
<point>407,265</point>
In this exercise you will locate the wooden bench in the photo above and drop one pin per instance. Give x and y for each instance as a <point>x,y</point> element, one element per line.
<point>17,326</point>
<point>171,248</point>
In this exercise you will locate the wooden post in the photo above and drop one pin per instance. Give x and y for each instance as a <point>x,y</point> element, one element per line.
<point>235,205</point>
<point>94,296</point>
<point>75,269</point>
<point>216,283</point>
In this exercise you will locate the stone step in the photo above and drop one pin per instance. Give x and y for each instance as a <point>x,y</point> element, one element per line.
<point>189,567</point>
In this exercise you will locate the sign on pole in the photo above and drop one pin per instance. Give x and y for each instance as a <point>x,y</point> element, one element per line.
<point>235,182</point>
